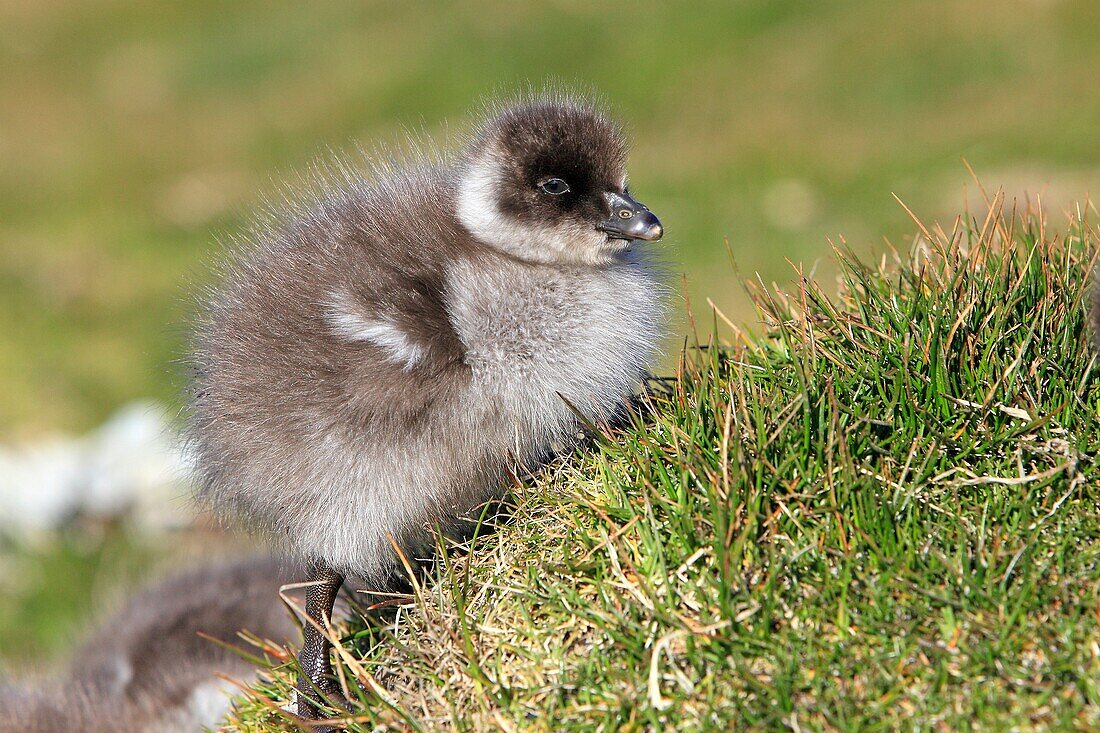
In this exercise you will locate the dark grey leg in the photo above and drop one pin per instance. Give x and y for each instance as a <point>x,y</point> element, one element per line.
<point>314,657</point>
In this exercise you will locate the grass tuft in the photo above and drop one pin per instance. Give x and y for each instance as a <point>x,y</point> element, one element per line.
<point>880,512</point>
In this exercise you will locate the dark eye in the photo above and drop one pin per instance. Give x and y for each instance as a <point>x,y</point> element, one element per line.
<point>554,186</point>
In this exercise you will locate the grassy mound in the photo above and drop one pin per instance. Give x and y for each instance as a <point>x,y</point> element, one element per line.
<point>880,512</point>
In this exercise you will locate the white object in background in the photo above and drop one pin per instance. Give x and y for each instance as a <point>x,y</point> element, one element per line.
<point>135,465</point>
<point>39,483</point>
<point>131,467</point>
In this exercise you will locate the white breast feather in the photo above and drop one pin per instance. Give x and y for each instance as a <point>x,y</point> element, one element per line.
<point>345,320</point>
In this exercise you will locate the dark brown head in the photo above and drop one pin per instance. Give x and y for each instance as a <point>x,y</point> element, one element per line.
<point>545,180</point>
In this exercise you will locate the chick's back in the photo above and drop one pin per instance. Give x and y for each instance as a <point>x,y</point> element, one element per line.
<point>326,340</point>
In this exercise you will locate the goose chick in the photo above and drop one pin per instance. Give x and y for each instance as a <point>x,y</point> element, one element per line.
<point>374,366</point>
<point>147,668</point>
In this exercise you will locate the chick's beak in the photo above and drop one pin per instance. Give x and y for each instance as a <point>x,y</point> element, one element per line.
<point>630,219</point>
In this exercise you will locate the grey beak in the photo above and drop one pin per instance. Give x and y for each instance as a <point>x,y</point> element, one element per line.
<point>630,219</point>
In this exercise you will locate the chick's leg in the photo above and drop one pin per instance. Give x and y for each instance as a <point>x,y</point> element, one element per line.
<point>316,677</point>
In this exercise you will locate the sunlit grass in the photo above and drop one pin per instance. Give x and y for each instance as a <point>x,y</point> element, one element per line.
<point>879,513</point>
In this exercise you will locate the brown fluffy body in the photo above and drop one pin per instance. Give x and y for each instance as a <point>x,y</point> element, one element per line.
<point>375,363</point>
<point>147,668</point>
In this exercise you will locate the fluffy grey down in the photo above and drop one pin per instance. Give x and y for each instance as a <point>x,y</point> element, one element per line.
<point>147,669</point>
<point>375,362</point>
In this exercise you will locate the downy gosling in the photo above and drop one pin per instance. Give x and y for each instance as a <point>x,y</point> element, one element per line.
<point>147,668</point>
<point>378,361</point>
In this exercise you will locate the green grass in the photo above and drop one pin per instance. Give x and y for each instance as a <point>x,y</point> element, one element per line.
<point>131,133</point>
<point>878,514</point>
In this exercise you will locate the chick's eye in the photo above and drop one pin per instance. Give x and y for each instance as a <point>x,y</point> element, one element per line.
<point>554,186</point>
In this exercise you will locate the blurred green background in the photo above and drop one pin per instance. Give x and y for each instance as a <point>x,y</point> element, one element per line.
<point>134,133</point>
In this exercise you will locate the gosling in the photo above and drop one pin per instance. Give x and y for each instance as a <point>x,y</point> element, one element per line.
<point>373,366</point>
<point>147,668</point>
